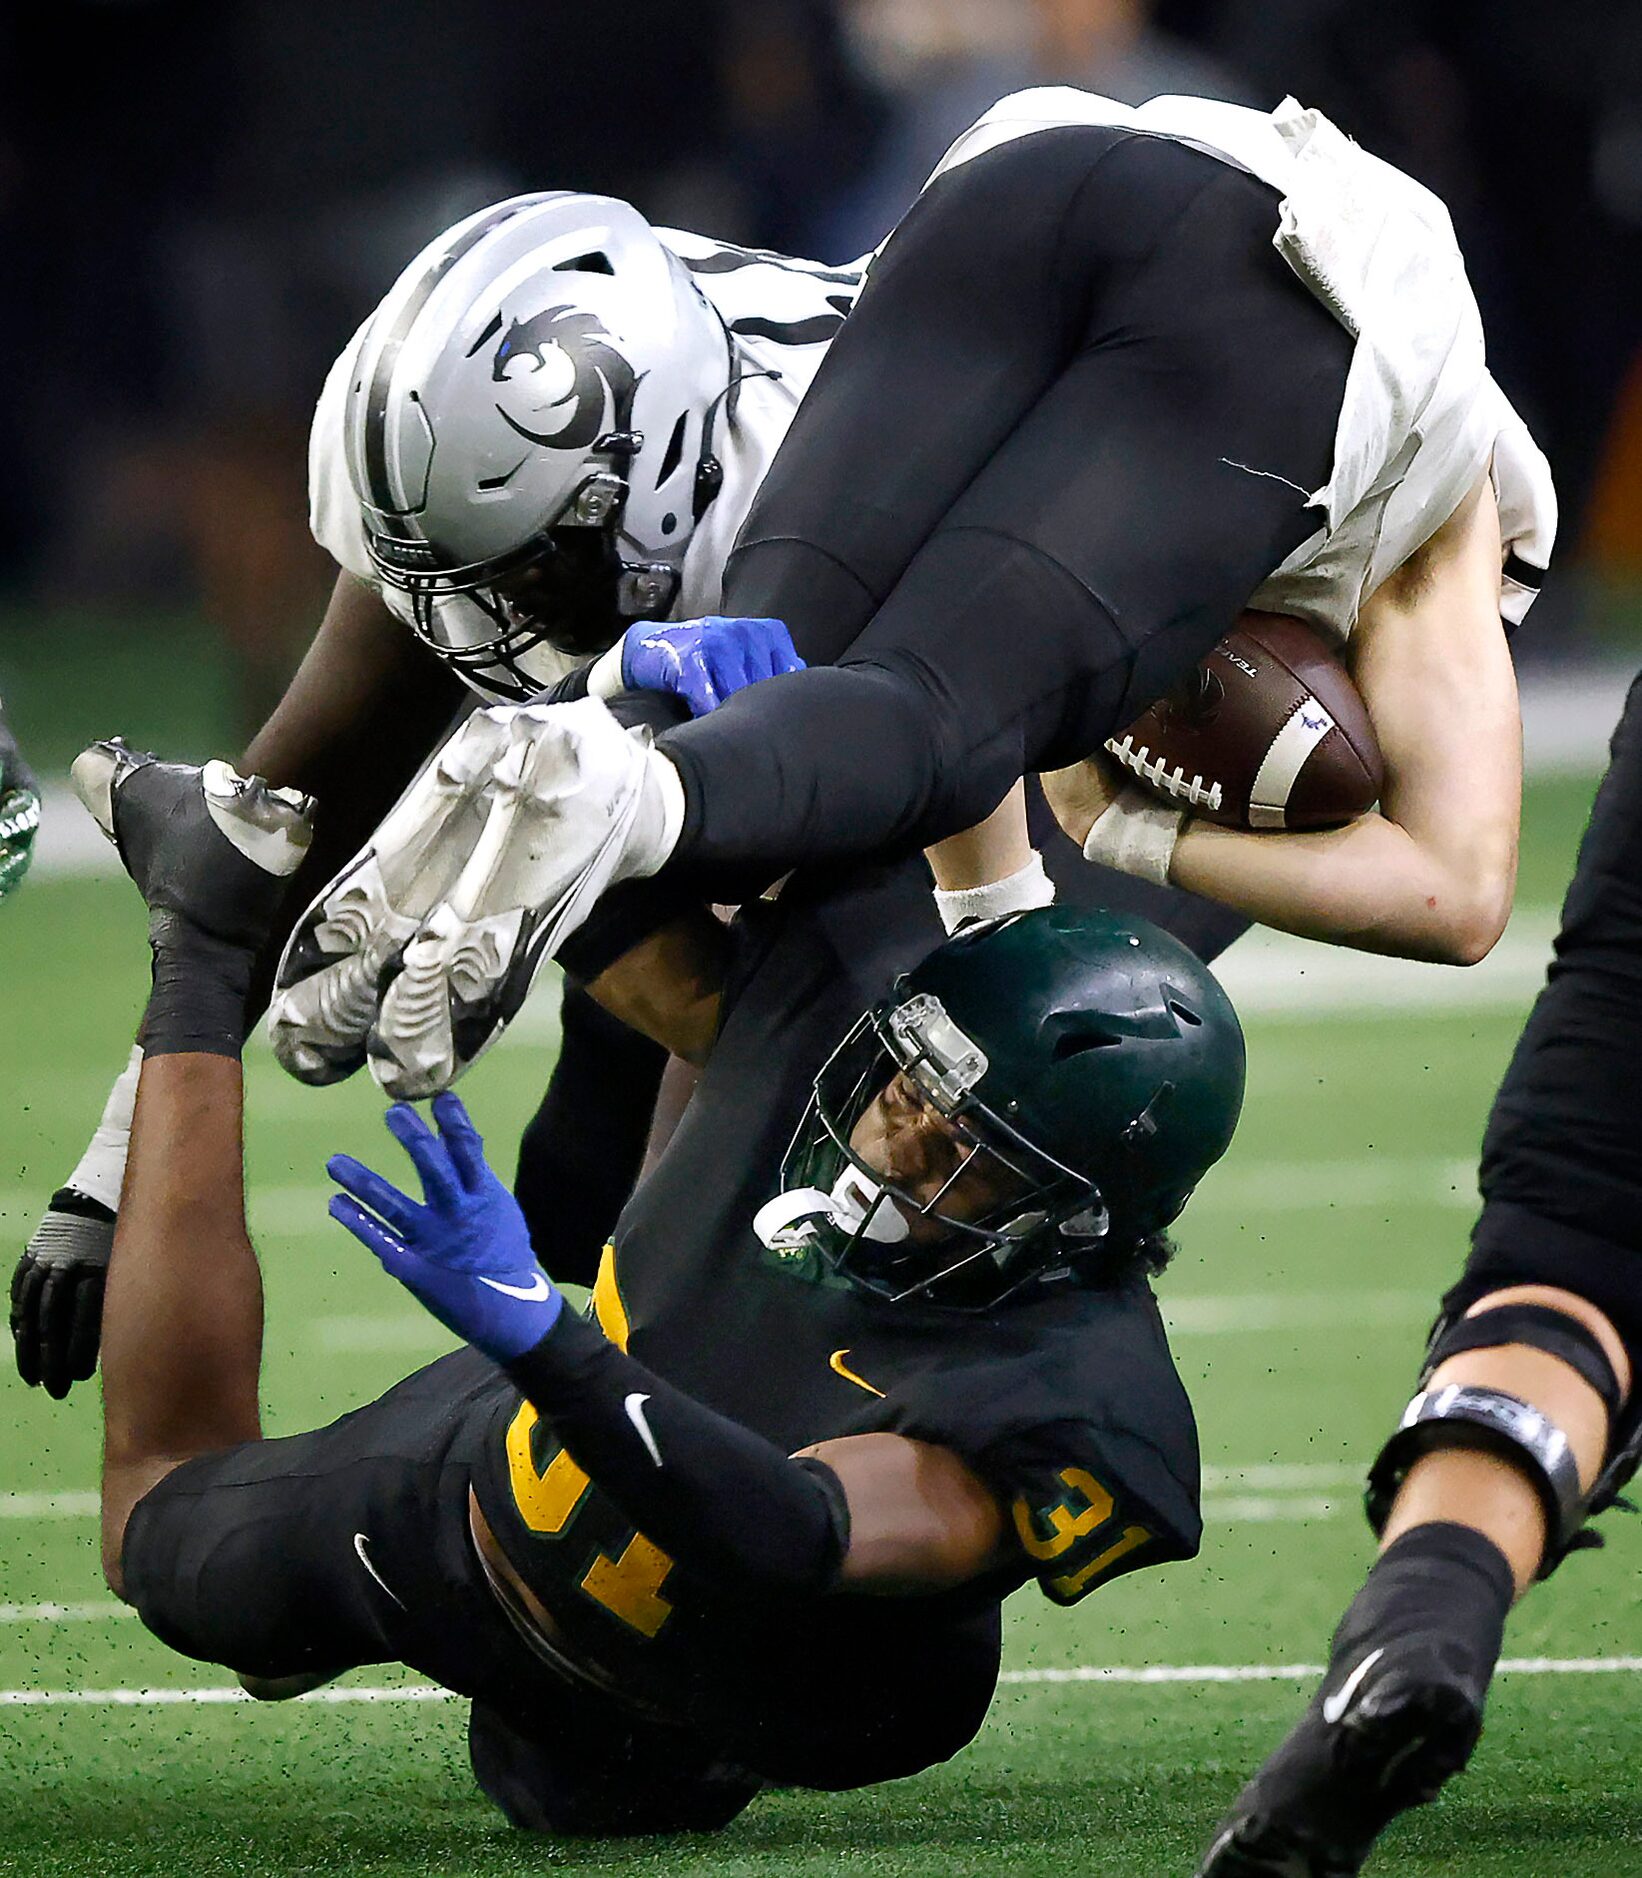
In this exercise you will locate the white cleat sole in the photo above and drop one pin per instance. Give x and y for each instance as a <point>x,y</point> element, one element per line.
<point>345,947</point>
<point>562,809</point>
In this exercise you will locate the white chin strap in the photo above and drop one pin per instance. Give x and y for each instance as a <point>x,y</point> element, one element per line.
<point>856,1204</point>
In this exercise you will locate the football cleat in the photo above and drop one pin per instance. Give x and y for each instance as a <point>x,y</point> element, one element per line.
<point>206,844</point>
<point>348,944</point>
<point>1383,1734</point>
<point>577,804</point>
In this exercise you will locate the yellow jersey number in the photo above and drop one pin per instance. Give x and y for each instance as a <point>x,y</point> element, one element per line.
<point>547,1498</point>
<point>1048,1533</point>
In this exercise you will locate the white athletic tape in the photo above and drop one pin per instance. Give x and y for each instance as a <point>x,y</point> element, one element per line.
<point>1280,768</point>
<point>1147,1674</point>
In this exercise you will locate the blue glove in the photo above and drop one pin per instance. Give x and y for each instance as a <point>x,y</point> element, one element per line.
<point>704,661</point>
<point>465,1253</point>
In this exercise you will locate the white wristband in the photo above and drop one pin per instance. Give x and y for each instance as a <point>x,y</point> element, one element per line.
<point>1136,835</point>
<point>1031,887</point>
<point>102,1167</point>
<point>604,677</point>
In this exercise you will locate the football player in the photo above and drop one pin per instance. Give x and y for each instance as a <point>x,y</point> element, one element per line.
<point>874,1346</point>
<point>19,812</point>
<point>1525,1424</point>
<point>634,385</point>
<point>1118,375</point>
<point>582,407</point>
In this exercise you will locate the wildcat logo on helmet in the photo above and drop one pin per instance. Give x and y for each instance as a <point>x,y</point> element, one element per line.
<point>557,358</point>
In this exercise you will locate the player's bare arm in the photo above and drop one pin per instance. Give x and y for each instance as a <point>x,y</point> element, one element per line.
<point>1430,874</point>
<point>921,1518</point>
<point>183,1348</point>
<point>670,985</point>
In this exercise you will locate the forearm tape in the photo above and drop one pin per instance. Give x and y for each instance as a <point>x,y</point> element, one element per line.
<point>197,1000</point>
<point>724,1502</point>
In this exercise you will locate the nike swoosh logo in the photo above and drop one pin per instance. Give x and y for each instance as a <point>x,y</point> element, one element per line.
<point>835,1363</point>
<point>1334,1706</point>
<point>538,1288</point>
<point>634,1406</point>
<point>359,1543</point>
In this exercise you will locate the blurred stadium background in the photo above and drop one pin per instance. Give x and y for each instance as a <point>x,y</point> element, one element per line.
<point>199,202</point>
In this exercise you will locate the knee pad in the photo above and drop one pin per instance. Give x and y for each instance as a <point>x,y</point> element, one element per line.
<point>1493,1421</point>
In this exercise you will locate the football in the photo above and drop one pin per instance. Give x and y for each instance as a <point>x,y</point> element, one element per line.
<point>1268,732</point>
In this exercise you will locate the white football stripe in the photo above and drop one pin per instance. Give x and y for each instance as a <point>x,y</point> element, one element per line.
<point>1283,762</point>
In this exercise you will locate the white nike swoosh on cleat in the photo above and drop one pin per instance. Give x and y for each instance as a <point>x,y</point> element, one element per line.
<point>1334,1706</point>
<point>359,1544</point>
<point>634,1406</point>
<point>537,1288</point>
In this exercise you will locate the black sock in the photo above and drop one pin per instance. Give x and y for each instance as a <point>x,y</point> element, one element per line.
<point>197,999</point>
<point>1444,1584</point>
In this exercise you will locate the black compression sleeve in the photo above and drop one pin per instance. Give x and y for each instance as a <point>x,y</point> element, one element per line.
<point>726,1503</point>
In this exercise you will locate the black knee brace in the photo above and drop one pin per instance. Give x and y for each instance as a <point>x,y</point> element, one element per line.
<point>1493,1421</point>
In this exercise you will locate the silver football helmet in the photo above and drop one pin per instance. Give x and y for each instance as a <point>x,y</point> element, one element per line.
<point>529,426</point>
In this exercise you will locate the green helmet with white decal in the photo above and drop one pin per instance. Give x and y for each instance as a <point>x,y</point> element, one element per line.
<point>1088,1070</point>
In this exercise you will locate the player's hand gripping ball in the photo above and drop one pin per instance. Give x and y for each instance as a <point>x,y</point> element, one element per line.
<point>464,1250</point>
<point>19,813</point>
<point>1267,732</point>
<point>705,661</point>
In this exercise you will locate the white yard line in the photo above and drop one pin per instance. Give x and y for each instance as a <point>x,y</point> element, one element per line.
<point>1255,1187</point>
<point>1242,1186</point>
<point>92,1611</point>
<point>1283,1476</point>
<point>178,1698</point>
<point>1274,1499</point>
<point>1305,1672</point>
<point>1256,1311</point>
<point>1280,978</point>
<point>1253,1510</point>
<point>1146,1674</point>
<point>77,1505</point>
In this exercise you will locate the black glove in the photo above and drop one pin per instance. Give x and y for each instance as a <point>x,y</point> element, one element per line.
<point>57,1293</point>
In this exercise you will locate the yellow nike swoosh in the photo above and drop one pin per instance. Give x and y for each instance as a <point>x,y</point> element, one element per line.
<point>835,1362</point>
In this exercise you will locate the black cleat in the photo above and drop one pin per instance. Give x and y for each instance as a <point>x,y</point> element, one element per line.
<point>206,845</point>
<point>1384,1733</point>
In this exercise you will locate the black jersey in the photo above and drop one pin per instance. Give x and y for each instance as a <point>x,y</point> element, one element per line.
<point>1065,1399</point>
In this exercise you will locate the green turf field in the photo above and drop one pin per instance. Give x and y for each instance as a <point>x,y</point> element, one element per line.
<point>1306,1272</point>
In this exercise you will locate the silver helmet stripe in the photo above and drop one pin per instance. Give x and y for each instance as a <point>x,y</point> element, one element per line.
<point>378,479</point>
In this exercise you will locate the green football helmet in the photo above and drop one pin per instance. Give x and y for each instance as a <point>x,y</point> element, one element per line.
<point>1094,1060</point>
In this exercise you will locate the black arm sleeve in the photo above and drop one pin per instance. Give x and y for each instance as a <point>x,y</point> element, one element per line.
<point>722,1500</point>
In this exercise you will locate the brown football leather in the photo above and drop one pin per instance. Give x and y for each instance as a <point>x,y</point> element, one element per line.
<point>1269,732</point>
